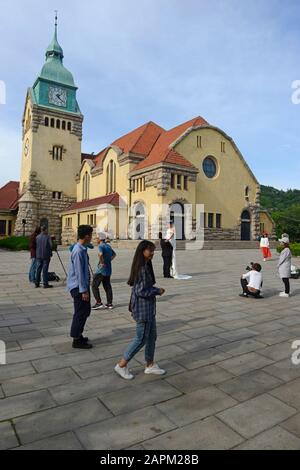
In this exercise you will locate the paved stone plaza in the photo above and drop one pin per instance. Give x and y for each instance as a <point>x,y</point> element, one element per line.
<point>230,382</point>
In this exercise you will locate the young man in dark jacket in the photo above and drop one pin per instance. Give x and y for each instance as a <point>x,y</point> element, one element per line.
<point>43,256</point>
<point>167,254</point>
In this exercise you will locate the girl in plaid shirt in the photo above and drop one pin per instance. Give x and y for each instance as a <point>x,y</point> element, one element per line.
<point>143,309</point>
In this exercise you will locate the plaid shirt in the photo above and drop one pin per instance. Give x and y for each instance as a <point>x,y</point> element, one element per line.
<point>143,297</point>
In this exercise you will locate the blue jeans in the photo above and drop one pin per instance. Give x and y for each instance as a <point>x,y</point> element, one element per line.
<point>32,271</point>
<point>42,264</point>
<point>145,335</point>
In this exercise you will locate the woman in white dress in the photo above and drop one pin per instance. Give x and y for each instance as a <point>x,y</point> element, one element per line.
<point>171,237</point>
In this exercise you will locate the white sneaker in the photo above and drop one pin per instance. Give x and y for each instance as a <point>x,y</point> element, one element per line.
<point>124,372</point>
<point>283,294</point>
<point>155,369</point>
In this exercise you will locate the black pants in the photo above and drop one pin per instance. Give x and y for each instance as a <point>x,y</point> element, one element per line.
<point>286,283</point>
<point>97,279</point>
<point>244,285</point>
<point>82,310</point>
<point>167,265</point>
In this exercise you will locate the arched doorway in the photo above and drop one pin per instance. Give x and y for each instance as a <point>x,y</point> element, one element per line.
<point>245,225</point>
<point>139,222</point>
<point>44,223</point>
<point>177,217</point>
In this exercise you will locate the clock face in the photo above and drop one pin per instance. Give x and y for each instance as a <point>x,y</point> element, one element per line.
<point>57,96</point>
<point>26,147</point>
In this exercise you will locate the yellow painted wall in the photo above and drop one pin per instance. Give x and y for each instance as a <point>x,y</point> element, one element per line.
<point>268,225</point>
<point>55,175</point>
<point>224,193</point>
<point>8,218</point>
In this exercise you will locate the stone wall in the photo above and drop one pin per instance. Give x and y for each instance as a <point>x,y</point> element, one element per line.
<point>42,207</point>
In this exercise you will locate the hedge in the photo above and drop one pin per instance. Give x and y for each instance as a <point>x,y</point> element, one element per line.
<point>295,249</point>
<point>15,243</point>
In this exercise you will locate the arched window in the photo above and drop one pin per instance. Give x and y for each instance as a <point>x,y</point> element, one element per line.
<point>247,192</point>
<point>52,122</point>
<point>63,125</point>
<point>58,124</point>
<point>69,126</point>
<point>85,186</point>
<point>111,177</point>
<point>46,121</point>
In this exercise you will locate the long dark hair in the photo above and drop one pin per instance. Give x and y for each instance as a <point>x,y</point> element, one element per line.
<point>139,261</point>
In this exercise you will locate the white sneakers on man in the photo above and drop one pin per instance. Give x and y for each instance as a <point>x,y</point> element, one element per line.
<point>154,369</point>
<point>283,294</point>
<point>124,372</point>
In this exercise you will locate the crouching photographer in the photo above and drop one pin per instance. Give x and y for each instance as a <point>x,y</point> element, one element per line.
<point>252,281</point>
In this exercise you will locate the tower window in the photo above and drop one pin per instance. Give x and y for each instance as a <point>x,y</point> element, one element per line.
<point>58,124</point>
<point>56,195</point>
<point>199,141</point>
<point>63,125</point>
<point>57,152</point>
<point>52,122</point>
<point>223,147</point>
<point>46,121</point>
<point>185,183</point>
<point>218,220</point>
<point>69,126</point>
<point>247,192</point>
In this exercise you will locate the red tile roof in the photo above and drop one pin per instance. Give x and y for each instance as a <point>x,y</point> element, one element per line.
<point>9,196</point>
<point>153,142</point>
<point>109,199</point>
<point>141,140</point>
<point>161,151</point>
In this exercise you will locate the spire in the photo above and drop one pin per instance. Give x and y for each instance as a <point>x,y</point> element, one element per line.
<point>54,50</point>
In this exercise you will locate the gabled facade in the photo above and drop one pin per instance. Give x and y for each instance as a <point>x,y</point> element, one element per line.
<point>193,163</point>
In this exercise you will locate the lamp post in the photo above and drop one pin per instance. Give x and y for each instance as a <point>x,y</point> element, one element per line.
<point>24,224</point>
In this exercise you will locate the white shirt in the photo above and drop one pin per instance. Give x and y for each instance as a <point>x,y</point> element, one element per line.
<point>254,279</point>
<point>264,242</point>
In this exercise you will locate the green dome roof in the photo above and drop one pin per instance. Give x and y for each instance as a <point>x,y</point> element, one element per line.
<point>54,70</point>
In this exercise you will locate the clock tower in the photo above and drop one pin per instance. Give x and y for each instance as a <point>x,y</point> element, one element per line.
<point>51,145</point>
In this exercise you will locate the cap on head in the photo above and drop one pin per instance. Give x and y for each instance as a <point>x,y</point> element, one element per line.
<point>284,240</point>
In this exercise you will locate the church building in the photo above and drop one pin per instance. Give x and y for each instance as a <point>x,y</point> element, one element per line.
<point>192,164</point>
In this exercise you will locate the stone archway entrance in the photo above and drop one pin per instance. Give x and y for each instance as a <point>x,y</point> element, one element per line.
<point>245,225</point>
<point>177,217</point>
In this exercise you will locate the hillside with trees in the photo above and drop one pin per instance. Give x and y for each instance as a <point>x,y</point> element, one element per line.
<point>284,207</point>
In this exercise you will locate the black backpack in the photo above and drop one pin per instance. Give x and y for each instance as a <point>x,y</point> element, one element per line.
<point>53,277</point>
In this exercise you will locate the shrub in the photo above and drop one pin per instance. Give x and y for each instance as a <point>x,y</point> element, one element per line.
<point>295,249</point>
<point>15,243</point>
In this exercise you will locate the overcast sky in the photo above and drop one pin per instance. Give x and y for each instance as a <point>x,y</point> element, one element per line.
<point>231,61</point>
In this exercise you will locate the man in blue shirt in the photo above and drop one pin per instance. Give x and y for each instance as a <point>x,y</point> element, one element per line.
<point>103,273</point>
<point>79,286</point>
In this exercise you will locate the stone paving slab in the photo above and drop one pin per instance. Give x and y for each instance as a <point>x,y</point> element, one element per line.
<point>256,415</point>
<point>274,439</point>
<point>60,419</point>
<point>8,437</point>
<point>125,430</point>
<point>230,382</point>
<point>209,434</point>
